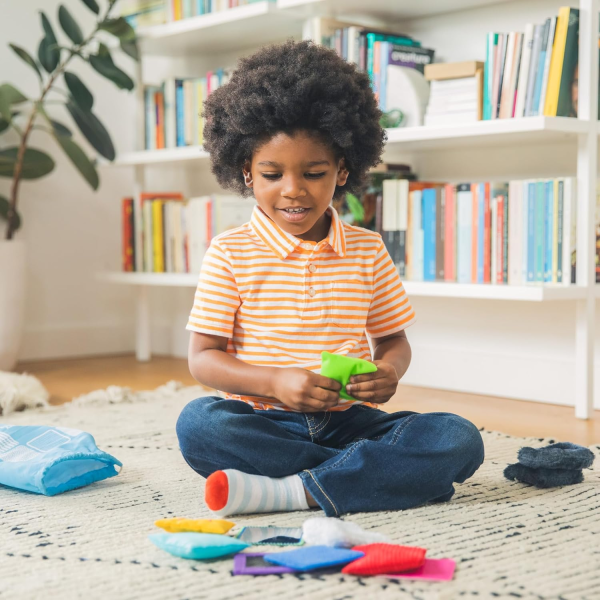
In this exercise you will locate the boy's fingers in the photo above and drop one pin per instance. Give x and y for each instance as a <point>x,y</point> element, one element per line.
<point>367,377</point>
<point>324,395</point>
<point>329,384</point>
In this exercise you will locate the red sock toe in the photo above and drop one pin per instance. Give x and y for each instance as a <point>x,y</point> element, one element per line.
<point>216,491</point>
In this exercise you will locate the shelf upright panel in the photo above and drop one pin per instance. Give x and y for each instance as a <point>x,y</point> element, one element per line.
<point>587,155</point>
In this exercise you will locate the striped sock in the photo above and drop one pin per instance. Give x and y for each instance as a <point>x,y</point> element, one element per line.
<point>232,492</point>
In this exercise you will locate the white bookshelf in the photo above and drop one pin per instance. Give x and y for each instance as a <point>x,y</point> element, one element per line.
<point>254,25</point>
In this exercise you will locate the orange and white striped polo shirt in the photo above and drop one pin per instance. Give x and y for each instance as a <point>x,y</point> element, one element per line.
<point>281,301</point>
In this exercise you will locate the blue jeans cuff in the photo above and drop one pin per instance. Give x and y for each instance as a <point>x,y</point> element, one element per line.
<point>311,483</point>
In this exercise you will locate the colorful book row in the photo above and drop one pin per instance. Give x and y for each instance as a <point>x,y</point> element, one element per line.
<point>533,73</point>
<point>164,233</point>
<point>173,110</point>
<point>184,9</point>
<point>515,232</point>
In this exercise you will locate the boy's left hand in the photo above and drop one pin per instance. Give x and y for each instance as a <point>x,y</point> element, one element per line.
<point>376,387</point>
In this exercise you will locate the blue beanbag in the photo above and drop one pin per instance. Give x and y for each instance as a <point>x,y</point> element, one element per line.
<point>313,557</point>
<point>197,545</point>
<point>51,460</point>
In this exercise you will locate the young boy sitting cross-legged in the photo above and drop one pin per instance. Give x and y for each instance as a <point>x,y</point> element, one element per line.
<point>295,127</point>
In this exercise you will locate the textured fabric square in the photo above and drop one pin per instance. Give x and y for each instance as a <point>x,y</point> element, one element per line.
<point>563,455</point>
<point>327,531</point>
<point>543,478</point>
<point>341,368</point>
<point>313,557</point>
<point>179,524</point>
<point>380,559</point>
<point>271,536</point>
<point>197,545</point>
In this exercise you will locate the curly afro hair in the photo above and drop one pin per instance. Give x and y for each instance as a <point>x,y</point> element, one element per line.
<point>287,88</point>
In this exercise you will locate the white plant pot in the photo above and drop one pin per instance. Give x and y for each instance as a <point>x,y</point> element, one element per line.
<point>12,301</point>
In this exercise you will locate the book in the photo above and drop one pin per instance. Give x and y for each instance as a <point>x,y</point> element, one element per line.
<point>487,224</point>
<point>450,233</point>
<point>524,71</point>
<point>548,58</point>
<point>541,65</point>
<point>539,239</point>
<point>128,235</point>
<point>464,221</point>
<point>506,98</point>
<point>458,70</point>
<point>559,99</point>
<point>548,229</point>
<point>501,67</point>
<point>533,66</point>
<point>491,45</point>
<point>429,234</point>
<point>440,232</point>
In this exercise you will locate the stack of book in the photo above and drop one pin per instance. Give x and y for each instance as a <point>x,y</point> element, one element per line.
<point>456,94</point>
<point>164,233</point>
<point>144,13</point>
<point>173,110</point>
<point>533,73</point>
<point>515,232</point>
<point>377,52</point>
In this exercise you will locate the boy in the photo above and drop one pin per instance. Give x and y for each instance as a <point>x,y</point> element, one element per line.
<point>296,126</point>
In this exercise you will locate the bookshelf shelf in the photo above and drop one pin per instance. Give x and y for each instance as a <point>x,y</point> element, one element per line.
<point>500,132</point>
<point>380,9</point>
<point>532,293</point>
<point>234,29</point>
<point>165,156</point>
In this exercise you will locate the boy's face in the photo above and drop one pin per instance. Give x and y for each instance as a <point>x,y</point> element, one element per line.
<point>294,178</point>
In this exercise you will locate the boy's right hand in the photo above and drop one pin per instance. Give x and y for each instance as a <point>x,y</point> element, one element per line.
<point>304,390</point>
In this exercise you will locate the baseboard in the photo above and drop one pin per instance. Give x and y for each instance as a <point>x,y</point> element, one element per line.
<point>77,340</point>
<point>519,376</point>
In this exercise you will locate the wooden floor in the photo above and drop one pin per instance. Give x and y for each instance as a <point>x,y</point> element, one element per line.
<point>66,379</point>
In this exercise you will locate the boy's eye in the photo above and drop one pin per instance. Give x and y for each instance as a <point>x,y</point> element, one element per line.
<point>271,176</point>
<point>314,175</point>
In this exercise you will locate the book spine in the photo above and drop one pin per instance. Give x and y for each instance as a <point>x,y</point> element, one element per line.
<point>148,237</point>
<point>148,105</point>
<point>417,223</point>
<point>503,111</point>
<point>548,58</point>
<point>554,239</point>
<point>539,231</point>
<point>556,62</point>
<point>533,66</point>
<point>180,113</point>
<point>440,230</point>
<point>487,223</point>
<point>384,56</point>
<point>566,107</point>
<point>524,70</point>
<point>560,231</point>
<point>515,75</point>
<point>160,120</point>
<point>548,230</point>
<point>494,241</point>
<point>505,217</point>
<point>429,230</point>
<point>474,236</point>
<point>492,41</point>
<point>480,231</point>
<point>449,236</point>
<point>463,238</point>
<point>531,193</point>
<point>157,237</point>
<point>541,65</point>
<point>496,76</point>
<point>376,69</point>
<point>502,66</point>
<point>499,239</point>
<point>127,258</point>
<point>523,228</point>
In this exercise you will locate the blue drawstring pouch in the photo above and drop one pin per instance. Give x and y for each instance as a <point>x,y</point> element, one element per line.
<point>51,460</point>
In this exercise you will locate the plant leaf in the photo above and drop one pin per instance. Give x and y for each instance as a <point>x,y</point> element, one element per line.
<point>60,129</point>
<point>13,95</point>
<point>69,25</point>
<point>119,28</point>
<point>4,207</point>
<point>103,64</point>
<point>3,124</point>
<point>131,48</point>
<point>9,95</point>
<point>83,164</point>
<point>356,207</point>
<point>24,55</point>
<point>36,163</point>
<point>48,51</point>
<point>92,5</point>
<point>93,130</point>
<point>82,96</point>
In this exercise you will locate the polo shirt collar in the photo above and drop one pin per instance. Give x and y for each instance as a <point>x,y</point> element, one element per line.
<point>283,243</point>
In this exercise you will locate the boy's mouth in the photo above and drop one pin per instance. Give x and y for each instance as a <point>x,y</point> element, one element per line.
<point>294,214</point>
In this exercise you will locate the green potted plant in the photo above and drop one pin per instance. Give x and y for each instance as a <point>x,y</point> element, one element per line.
<point>21,115</point>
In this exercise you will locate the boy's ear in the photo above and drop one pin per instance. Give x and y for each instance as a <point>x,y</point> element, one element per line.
<point>343,173</point>
<point>247,174</point>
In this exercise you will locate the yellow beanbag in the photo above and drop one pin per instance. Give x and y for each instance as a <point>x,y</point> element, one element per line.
<point>179,524</point>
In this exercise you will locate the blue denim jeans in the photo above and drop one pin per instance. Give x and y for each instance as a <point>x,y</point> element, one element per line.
<point>361,459</point>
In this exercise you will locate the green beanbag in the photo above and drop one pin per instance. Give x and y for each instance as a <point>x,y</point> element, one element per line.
<point>341,368</point>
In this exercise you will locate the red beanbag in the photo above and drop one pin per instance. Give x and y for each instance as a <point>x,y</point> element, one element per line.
<point>383,559</point>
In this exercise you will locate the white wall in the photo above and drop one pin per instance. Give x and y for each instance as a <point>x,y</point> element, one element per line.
<point>514,349</point>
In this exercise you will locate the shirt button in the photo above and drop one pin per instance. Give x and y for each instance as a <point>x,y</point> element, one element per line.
<point>306,246</point>
<point>312,268</point>
<point>311,292</point>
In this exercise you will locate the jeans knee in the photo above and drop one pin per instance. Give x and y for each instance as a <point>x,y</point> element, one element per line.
<point>194,425</point>
<point>466,441</point>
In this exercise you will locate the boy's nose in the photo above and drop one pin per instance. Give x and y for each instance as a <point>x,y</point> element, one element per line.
<point>292,188</point>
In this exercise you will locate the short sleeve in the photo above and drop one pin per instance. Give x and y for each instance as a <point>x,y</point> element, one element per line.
<point>390,310</point>
<point>217,298</point>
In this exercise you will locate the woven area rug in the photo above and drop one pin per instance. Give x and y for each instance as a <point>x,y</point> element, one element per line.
<point>509,540</point>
